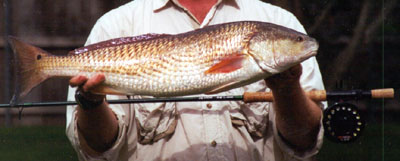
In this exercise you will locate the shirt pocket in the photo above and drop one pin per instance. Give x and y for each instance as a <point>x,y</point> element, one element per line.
<point>155,121</point>
<point>254,116</point>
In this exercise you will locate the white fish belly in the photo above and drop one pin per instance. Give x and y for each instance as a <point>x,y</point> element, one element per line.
<point>184,83</point>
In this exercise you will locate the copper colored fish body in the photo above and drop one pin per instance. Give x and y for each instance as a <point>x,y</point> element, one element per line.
<point>208,60</point>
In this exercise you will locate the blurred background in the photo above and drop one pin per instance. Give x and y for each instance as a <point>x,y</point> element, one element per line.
<point>359,49</point>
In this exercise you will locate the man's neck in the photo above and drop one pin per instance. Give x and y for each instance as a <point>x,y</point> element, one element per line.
<point>198,8</point>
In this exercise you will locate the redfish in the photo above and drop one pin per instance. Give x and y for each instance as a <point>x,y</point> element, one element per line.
<point>208,60</point>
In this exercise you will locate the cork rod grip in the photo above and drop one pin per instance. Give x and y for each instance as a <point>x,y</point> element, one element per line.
<point>257,97</point>
<point>382,93</point>
<point>317,95</point>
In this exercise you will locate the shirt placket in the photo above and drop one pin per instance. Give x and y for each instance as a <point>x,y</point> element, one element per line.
<point>208,17</point>
<point>214,133</point>
<point>210,14</point>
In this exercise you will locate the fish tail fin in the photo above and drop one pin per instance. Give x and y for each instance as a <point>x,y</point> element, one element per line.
<point>26,69</point>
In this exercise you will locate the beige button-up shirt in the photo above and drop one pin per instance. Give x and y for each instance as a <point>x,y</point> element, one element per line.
<point>220,131</point>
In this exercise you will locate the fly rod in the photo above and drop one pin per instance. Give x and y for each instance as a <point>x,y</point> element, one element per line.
<point>247,97</point>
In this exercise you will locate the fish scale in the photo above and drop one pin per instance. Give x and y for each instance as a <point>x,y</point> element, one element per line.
<point>208,60</point>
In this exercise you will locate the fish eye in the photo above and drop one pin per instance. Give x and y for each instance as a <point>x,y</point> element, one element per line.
<point>299,39</point>
<point>38,57</point>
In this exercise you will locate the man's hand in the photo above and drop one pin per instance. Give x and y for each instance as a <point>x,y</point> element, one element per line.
<point>86,85</point>
<point>98,126</point>
<point>286,79</point>
<point>297,116</point>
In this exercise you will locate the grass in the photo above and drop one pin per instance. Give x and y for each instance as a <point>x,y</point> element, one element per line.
<point>45,143</point>
<point>49,143</point>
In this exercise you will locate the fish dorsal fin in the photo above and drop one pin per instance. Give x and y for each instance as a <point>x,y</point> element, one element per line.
<point>227,64</point>
<point>117,41</point>
<point>222,88</point>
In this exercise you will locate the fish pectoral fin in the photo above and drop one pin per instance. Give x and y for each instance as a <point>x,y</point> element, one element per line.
<point>102,89</point>
<point>227,65</point>
<point>222,88</point>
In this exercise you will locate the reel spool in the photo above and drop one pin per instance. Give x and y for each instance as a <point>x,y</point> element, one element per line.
<point>343,123</point>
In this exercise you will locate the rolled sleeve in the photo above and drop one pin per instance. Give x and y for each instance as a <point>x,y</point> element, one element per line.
<point>78,142</point>
<point>292,154</point>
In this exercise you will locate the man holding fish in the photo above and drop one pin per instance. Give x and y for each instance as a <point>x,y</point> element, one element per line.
<point>288,129</point>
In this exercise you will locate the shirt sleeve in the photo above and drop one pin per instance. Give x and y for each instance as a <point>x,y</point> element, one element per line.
<point>79,143</point>
<point>116,23</point>
<point>292,154</point>
<point>105,28</point>
<point>310,79</point>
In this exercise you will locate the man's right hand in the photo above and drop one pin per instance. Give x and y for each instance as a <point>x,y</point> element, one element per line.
<point>98,126</point>
<point>86,85</point>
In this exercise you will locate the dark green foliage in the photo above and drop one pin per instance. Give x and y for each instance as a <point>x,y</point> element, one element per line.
<point>44,143</point>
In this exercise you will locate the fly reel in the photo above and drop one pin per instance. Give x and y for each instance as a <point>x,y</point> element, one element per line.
<point>343,123</point>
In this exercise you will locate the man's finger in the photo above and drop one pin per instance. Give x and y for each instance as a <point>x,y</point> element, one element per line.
<point>93,82</point>
<point>77,80</point>
<point>294,71</point>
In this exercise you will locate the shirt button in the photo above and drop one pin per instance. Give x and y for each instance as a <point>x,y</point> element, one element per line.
<point>214,143</point>
<point>209,105</point>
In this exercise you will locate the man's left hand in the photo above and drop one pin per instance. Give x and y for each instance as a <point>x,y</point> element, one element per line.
<point>286,79</point>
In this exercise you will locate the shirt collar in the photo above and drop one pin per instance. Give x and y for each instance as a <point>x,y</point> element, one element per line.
<point>159,4</point>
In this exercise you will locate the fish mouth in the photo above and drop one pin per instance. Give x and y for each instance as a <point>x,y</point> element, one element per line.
<point>281,66</point>
<point>312,53</point>
<point>313,48</point>
<point>309,54</point>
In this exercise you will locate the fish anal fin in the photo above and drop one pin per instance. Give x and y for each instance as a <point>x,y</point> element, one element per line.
<point>103,89</point>
<point>227,65</point>
<point>222,88</point>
